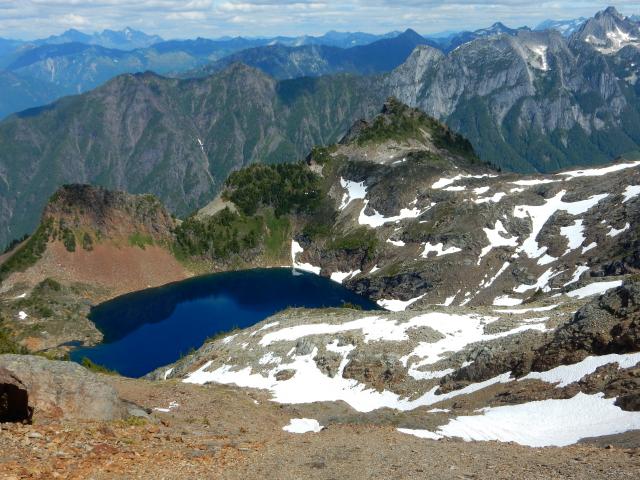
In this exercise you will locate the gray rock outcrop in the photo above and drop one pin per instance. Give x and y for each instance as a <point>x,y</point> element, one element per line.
<point>64,389</point>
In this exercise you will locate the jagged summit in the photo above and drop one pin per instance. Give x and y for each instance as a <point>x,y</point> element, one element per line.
<point>609,31</point>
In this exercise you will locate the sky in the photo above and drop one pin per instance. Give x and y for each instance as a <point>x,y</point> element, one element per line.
<point>29,19</point>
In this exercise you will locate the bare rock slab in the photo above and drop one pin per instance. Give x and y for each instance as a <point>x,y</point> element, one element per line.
<point>64,390</point>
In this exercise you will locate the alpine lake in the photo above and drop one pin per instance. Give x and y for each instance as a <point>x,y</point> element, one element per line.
<point>151,328</point>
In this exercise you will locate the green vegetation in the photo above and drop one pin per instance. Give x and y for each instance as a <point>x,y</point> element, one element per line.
<point>220,236</point>
<point>361,240</point>
<point>402,123</point>
<point>7,344</point>
<point>322,155</point>
<point>140,240</point>
<point>29,253</point>
<point>266,196</point>
<point>351,306</point>
<point>14,243</point>
<point>87,242</point>
<point>94,367</point>
<point>222,334</point>
<point>47,285</point>
<point>133,421</point>
<point>277,235</point>
<point>68,239</point>
<point>287,188</point>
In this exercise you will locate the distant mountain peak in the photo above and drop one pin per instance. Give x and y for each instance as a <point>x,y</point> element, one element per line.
<point>609,32</point>
<point>612,11</point>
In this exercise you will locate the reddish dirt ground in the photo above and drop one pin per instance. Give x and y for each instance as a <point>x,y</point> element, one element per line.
<point>230,433</point>
<point>118,269</point>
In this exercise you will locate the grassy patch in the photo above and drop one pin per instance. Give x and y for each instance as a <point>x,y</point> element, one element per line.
<point>222,334</point>
<point>140,240</point>
<point>360,240</point>
<point>225,234</point>
<point>7,343</point>
<point>94,367</point>
<point>277,235</point>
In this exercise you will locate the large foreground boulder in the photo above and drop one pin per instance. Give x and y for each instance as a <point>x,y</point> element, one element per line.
<point>64,390</point>
<point>14,399</point>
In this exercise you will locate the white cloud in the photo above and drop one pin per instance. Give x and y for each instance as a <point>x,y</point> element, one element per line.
<point>211,18</point>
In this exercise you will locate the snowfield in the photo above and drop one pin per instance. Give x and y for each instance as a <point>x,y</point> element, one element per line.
<point>546,423</point>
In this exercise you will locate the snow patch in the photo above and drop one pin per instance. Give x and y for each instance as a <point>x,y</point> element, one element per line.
<point>493,199</point>
<point>396,243</point>
<point>438,249</point>
<point>305,267</point>
<point>340,277</point>
<point>580,269</point>
<point>594,289</point>
<point>303,425</point>
<point>567,374</point>
<point>498,237</point>
<point>630,192</point>
<point>574,235</point>
<point>398,305</point>
<point>377,219</point>
<point>597,172</point>
<point>614,232</point>
<point>540,214</point>
<point>355,191</point>
<point>506,301</point>
<point>545,423</point>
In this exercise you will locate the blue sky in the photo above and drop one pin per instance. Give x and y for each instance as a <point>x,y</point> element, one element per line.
<point>214,18</point>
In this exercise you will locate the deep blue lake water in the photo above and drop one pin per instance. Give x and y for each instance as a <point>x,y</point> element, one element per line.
<point>145,330</point>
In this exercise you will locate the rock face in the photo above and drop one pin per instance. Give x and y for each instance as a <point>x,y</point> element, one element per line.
<point>64,389</point>
<point>14,399</point>
<point>608,32</point>
<point>606,325</point>
<point>495,92</point>
<point>108,214</point>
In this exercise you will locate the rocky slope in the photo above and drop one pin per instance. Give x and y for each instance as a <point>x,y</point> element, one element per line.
<point>609,32</point>
<point>536,376</point>
<point>496,280</point>
<point>497,92</point>
<point>409,208</point>
<point>92,244</point>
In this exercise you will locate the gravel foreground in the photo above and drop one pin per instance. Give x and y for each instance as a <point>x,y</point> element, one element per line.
<point>230,433</point>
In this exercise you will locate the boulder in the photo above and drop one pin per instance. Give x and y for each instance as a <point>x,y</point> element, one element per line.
<point>64,390</point>
<point>14,399</point>
<point>607,324</point>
